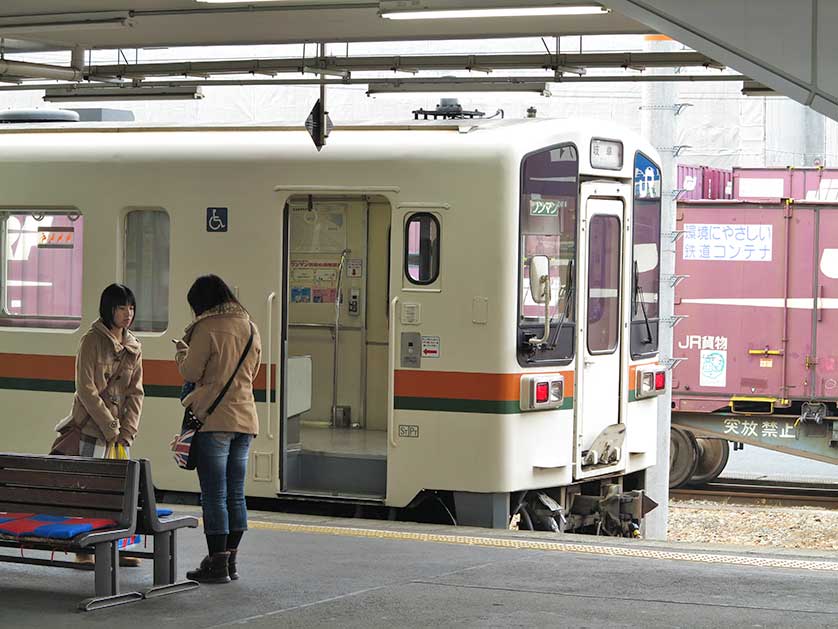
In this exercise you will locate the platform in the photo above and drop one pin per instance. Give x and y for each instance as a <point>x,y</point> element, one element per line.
<point>306,571</point>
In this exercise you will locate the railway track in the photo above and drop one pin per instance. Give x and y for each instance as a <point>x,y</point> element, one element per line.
<point>780,493</point>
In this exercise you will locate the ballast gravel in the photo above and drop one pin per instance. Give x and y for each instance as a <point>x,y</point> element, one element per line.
<point>705,522</point>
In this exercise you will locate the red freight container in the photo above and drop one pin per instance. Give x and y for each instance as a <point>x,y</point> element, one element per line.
<point>812,184</point>
<point>703,182</point>
<point>761,304</point>
<point>718,183</point>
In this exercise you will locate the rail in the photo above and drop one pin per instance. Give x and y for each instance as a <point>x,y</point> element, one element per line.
<point>787,493</point>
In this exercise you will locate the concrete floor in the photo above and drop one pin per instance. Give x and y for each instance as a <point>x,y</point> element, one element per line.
<point>300,571</point>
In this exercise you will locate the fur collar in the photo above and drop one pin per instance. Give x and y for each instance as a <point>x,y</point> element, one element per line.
<point>229,309</point>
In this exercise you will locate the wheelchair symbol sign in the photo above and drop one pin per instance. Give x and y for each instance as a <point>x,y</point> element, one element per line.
<point>217,219</point>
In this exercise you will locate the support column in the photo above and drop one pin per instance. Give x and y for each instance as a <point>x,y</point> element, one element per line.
<point>658,116</point>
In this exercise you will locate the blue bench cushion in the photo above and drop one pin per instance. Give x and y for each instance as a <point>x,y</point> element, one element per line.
<point>163,513</point>
<point>52,526</point>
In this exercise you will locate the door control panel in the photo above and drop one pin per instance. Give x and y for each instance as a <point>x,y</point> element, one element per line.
<point>354,305</point>
<point>411,349</point>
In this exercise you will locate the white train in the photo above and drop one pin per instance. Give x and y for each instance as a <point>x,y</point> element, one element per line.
<point>496,340</point>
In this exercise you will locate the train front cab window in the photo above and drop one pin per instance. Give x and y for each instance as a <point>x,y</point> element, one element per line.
<point>42,260</point>
<point>548,215</point>
<point>337,269</point>
<point>645,313</point>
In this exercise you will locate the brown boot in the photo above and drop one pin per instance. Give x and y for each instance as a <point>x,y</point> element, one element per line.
<point>231,564</point>
<point>213,569</point>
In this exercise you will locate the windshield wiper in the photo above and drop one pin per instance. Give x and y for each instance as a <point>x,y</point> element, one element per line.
<point>638,299</point>
<point>568,293</point>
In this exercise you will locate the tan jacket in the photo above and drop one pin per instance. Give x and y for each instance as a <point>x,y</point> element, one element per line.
<point>216,341</point>
<point>109,385</point>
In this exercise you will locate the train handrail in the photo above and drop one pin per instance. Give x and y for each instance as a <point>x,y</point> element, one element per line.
<point>391,381</point>
<point>269,366</point>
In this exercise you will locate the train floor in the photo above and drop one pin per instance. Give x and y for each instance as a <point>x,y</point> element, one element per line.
<point>308,571</point>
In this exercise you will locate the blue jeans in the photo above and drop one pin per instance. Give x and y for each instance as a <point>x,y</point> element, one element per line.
<point>222,468</point>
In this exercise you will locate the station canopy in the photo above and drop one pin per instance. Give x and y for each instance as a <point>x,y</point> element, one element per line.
<point>81,27</point>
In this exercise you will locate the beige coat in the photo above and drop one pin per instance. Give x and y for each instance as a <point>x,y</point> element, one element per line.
<point>216,341</point>
<point>109,385</point>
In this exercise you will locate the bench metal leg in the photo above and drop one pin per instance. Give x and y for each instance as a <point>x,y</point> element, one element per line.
<point>165,567</point>
<point>106,575</point>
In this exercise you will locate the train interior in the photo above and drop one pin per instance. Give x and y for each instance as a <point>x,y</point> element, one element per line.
<point>337,270</point>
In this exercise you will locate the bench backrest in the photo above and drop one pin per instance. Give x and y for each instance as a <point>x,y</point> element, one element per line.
<point>70,486</point>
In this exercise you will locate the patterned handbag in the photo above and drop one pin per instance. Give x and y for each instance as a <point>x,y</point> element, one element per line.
<point>183,447</point>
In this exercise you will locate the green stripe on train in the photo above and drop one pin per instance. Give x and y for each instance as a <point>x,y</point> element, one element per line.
<point>454,405</point>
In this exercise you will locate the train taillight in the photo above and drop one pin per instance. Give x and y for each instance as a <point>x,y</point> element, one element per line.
<point>541,391</point>
<point>651,381</point>
<point>660,380</point>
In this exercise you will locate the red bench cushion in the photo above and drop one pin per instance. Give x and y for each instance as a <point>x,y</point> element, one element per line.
<point>5,516</point>
<point>51,526</point>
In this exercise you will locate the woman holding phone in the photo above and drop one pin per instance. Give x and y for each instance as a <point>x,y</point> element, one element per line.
<point>221,345</point>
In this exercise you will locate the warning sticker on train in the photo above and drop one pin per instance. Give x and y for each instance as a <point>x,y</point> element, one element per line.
<point>430,347</point>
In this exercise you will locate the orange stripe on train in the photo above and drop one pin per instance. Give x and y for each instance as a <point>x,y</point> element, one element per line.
<point>464,385</point>
<point>51,367</point>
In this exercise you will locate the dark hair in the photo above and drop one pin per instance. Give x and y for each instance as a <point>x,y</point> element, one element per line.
<point>209,291</point>
<point>112,297</point>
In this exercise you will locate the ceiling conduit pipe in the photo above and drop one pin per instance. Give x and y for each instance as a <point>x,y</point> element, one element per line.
<point>39,71</point>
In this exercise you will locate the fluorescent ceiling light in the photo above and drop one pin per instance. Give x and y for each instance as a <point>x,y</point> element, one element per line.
<point>58,22</point>
<point>496,12</point>
<point>411,85</point>
<point>91,93</point>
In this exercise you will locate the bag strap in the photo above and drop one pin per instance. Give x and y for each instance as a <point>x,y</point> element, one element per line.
<point>230,381</point>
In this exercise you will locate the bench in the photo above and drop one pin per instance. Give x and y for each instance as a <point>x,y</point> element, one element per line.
<point>58,503</point>
<point>161,525</point>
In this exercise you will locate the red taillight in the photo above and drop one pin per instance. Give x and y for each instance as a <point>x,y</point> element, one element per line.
<point>660,380</point>
<point>542,392</point>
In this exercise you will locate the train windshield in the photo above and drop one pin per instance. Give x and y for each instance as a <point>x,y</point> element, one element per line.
<point>646,253</point>
<point>549,199</point>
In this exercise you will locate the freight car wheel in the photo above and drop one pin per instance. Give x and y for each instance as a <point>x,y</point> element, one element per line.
<point>712,458</point>
<point>683,456</point>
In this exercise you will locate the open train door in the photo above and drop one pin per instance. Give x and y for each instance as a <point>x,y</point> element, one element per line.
<point>599,430</point>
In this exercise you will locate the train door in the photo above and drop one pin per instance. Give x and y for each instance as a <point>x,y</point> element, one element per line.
<point>334,419</point>
<point>599,428</point>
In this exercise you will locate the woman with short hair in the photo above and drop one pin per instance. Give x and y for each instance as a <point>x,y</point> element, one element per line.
<point>222,344</point>
<point>109,387</point>
<point>109,378</point>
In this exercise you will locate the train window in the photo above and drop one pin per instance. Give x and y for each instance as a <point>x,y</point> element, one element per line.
<point>146,269</point>
<point>421,248</point>
<point>645,312</point>
<point>42,257</point>
<point>603,284</point>
<point>549,197</point>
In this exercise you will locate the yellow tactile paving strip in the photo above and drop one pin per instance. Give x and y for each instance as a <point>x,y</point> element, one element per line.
<point>528,544</point>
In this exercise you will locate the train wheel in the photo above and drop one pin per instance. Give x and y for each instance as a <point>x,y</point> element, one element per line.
<point>712,458</point>
<point>683,456</point>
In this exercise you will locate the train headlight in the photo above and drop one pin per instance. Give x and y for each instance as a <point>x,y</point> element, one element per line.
<point>542,391</point>
<point>651,381</point>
